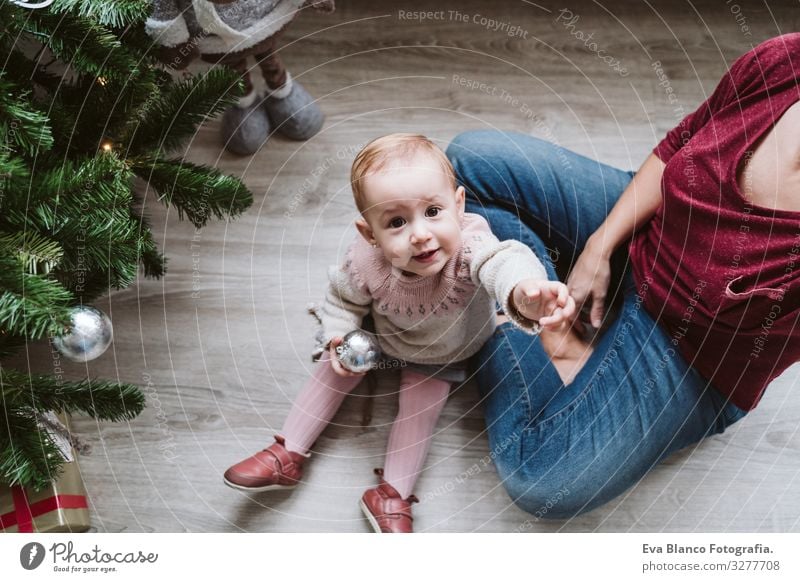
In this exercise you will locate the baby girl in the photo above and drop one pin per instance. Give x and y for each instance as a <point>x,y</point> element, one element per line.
<point>429,275</point>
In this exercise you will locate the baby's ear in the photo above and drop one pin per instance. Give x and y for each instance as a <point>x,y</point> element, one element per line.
<point>460,201</point>
<point>365,231</point>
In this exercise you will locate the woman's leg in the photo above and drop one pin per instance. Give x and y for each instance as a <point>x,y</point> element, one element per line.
<point>421,403</point>
<point>315,406</point>
<point>561,196</point>
<point>561,450</point>
<point>516,376</point>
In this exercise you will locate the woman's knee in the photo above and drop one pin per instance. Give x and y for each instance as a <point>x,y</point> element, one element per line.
<point>492,149</point>
<point>504,167</point>
<point>469,146</point>
<point>477,158</point>
<point>552,481</point>
<point>546,498</point>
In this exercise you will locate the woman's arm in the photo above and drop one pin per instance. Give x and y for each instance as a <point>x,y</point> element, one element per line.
<point>591,275</point>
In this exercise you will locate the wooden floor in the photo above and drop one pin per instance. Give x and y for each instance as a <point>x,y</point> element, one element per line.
<point>221,344</point>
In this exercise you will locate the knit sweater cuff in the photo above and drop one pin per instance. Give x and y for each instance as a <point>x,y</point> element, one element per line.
<point>500,267</point>
<point>527,325</point>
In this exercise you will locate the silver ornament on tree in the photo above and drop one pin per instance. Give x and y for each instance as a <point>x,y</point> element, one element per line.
<point>359,351</point>
<point>89,335</point>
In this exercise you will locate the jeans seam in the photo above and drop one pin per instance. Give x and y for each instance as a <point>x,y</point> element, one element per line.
<point>512,356</point>
<point>536,424</point>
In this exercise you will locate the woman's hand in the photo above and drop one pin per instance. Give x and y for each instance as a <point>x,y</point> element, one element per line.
<point>591,275</point>
<point>335,363</point>
<point>589,281</point>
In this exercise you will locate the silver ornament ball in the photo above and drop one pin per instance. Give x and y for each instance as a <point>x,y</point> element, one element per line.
<point>359,351</point>
<point>89,335</point>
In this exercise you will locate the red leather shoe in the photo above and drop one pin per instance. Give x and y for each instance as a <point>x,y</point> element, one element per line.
<point>273,468</point>
<point>385,510</point>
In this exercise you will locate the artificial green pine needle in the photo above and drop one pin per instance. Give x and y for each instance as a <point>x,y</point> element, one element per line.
<point>77,130</point>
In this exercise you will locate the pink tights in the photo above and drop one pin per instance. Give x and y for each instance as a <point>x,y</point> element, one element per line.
<point>421,402</point>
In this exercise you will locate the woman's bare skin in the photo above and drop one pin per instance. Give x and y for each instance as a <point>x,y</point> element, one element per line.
<point>770,178</point>
<point>567,350</point>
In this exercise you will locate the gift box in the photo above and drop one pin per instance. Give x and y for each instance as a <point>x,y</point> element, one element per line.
<point>62,506</point>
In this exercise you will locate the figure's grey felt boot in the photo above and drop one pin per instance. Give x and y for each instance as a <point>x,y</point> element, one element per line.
<point>293,112</point>
<point>245,129</point>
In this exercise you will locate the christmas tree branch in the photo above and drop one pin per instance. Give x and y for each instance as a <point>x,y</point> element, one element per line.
<point>99,399</point>
<point>115,13</point>
<point>195,191</point>
<point>72,229</point>
<point>174,115</point>
<point>28,456</point>
<point>153,262</point>
<point>35,252</point>
<point>20,124</point>
<point>14,174</point>
<point>31,305</point>
<point>83,45</point>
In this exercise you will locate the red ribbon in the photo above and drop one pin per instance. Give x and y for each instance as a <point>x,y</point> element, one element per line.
<point>23,513</point>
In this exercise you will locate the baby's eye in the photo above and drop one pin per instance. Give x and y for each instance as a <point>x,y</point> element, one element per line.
<point>433,211</point>
<point>397,222</point>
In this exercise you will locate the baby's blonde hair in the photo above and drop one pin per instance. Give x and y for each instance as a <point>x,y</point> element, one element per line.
<point>377,153</point>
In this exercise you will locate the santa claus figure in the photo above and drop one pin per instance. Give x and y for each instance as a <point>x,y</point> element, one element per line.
<point>242,35</point>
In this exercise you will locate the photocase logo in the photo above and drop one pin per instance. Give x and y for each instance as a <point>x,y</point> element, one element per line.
<point>31,555</point>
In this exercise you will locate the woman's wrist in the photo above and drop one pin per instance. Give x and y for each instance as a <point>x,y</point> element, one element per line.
<point>600,244</point>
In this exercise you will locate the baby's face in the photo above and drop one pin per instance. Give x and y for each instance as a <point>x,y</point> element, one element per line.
<point>413,213</point>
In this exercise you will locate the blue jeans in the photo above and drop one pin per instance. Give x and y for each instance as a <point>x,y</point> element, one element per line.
<point>561,450</point>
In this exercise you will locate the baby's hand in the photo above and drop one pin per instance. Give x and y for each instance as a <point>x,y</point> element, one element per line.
<point>547,302</point>
<point>335,363</point>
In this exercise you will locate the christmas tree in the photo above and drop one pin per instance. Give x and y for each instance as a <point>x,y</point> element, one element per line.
<point>85,113</point>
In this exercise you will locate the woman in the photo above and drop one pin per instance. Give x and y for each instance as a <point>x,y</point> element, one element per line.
<point>700,250</point>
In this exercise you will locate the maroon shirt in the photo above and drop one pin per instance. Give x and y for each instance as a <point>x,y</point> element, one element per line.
<point>720,274</point>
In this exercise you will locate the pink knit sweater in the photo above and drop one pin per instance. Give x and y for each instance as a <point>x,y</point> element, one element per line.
<point>440,319</point>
